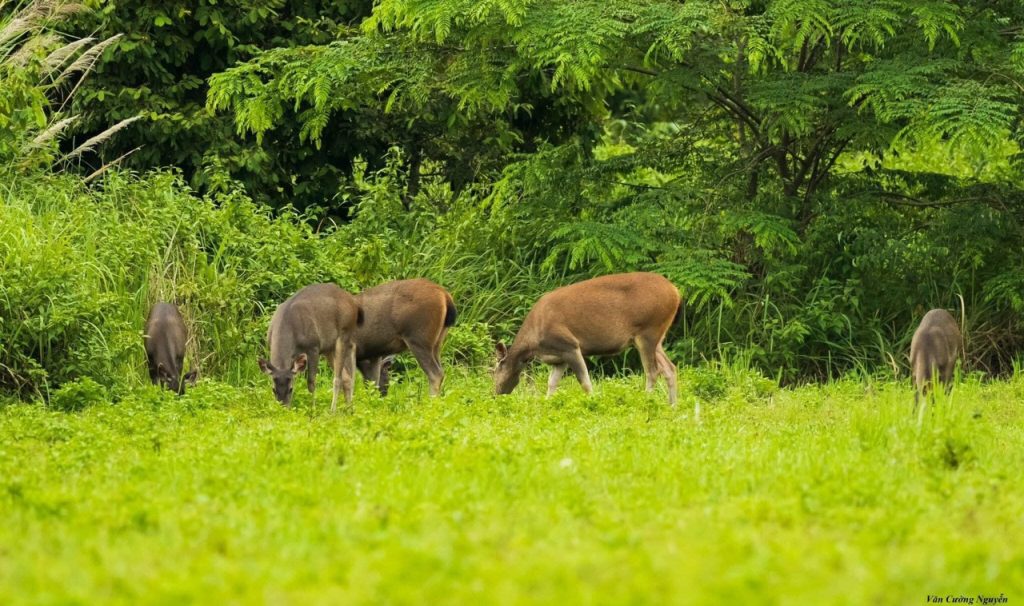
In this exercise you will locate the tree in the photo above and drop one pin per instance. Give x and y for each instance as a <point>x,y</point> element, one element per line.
<point>159,67</point>
<point>748,149</point>
<point>791,84</point>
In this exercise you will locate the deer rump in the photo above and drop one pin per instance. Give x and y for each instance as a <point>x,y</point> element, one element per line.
<point>165,338</point>
<point>934,350</point>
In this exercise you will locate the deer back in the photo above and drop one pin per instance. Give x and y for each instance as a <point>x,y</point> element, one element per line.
<point>604,314</point>
<point>935,346</point>
<point>165,337</point>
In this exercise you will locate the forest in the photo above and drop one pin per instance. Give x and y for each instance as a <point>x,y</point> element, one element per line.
<point>811,175</point>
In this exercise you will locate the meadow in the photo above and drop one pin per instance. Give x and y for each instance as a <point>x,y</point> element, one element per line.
<point>745,493</point>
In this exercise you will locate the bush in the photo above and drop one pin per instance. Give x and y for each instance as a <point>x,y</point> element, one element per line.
<point>79,270</point>
<point>78,395</point>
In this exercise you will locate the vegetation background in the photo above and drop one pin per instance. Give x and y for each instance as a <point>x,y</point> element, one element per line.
<point>812,175</point>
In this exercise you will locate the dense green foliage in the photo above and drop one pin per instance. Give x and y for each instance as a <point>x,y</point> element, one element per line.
<point>811,496</point>
<point>766,156</point>
<point>158,70</point>
<point>812,175</point>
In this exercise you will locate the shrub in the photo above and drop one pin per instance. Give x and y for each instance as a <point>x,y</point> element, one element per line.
<point>79,269</point>
<point>78,395</point>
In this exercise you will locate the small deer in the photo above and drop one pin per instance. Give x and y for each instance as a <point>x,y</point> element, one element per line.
<point>319,319</point>
<point>165,339</point>
<point>933,351</point>
<point>595,317</point>
<point>405,314</point>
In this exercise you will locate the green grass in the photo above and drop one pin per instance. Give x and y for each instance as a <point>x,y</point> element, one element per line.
<point>818,495</point>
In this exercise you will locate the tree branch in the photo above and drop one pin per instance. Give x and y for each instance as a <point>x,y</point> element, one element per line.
<point>820,172</point>
<point>640,70</point>
<point>908,200</point>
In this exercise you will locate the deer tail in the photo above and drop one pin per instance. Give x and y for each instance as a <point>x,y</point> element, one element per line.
<point>450,312</point>
<point>679,312</point>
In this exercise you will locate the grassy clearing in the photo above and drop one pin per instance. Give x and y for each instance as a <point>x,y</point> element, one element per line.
<point>828,494</point>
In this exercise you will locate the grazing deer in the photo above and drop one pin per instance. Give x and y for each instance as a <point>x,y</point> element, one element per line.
<point>933,351</point>
<point>319,319</point>
<point>165,339</point>
<point>406,314</point>
<point>595,317</point>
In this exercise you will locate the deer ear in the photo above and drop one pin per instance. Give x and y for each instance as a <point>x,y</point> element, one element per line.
<point>266,367</point>
<point>502,351</point>
<point>300,363</point>
<point>192,377</point>
<point>162,370</point>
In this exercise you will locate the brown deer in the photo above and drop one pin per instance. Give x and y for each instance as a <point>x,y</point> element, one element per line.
<point>933,351</point>
<point>319,319</point>
<point>165,339</point>
<point>406,314</point>
<point>595,317</point>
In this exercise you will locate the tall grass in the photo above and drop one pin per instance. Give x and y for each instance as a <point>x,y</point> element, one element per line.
<point>79,269</point>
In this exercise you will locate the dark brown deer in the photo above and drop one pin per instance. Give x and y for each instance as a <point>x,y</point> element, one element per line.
<point>165,339</point>
<point>933,351</point>
<point>319,319</point>
<point>596,317</point>
<point>369,370</point>
<point>406,314</point>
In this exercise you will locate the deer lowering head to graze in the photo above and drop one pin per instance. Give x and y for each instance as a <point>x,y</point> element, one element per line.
<point>319,319</point>
<point>165,339</point>
<point>596,317</point>
<point>933,351</point>
<point>406,314</point>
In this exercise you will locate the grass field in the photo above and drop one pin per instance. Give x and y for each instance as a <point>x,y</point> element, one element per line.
<point>817,495</point>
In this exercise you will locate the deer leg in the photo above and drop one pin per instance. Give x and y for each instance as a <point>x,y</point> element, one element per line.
<point>439,371</point>
<point>348,371</point>
<point>579,368</point>
<point>371,371</point>
<point>344,372</point>
<point>435,353</point>
<point>385,374</point>
<point>668,370</point>
<point>337,361</point>
<point>430,365</point>
<point>557,370</point>
<point>440,341</point>
<point>648,349</point>
<point>312,365</point>
<point>947,379</point>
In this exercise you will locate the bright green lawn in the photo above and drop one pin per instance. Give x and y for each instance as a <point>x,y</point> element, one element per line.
<point>818,495</point>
